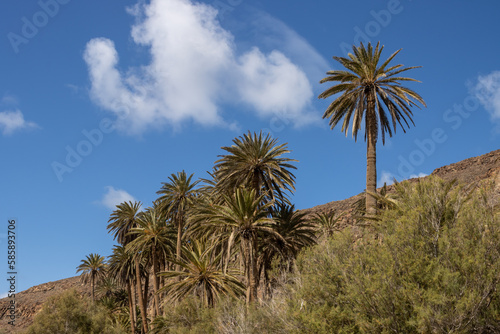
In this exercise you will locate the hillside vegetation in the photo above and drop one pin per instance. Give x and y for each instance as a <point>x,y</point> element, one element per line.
<point>429,263</point>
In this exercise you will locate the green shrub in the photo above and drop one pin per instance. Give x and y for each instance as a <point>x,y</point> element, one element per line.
<point>230,316</point>
<point>72,314</point>
<point>186,317</point>
<point>433,267</point>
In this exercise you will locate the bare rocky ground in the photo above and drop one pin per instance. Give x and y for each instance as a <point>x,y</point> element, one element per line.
<point>468,171</point>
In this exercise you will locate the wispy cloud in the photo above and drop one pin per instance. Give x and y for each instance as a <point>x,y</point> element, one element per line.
<point>487,90</point>
<point>195,70</point>
<point>9,99</point>
<point>273,33</point>
<point>113,197</point>
<point>13,120</point>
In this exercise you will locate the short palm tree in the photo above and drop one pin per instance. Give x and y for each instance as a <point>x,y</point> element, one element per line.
<point>93,269</point>
<point>202,276</point>
<point>256,162</point>
<point>176,197</point>
<point>328,223</point>
<point>295,233</point>
<point>373,92</point>
<point>248,218</point>
<point>385,200</point>
<point>121,221</point>
<point>152,237</point>
<point>121,266</point>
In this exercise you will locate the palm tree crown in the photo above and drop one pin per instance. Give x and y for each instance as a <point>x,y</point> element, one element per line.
<point>248,218</point>
<point>176,198</point>
<point>366,88</point>
<point>122,220</point>
<point>255,161</point>
<point>202,276</point>
<point>374,93</point>
<point>93,268</point>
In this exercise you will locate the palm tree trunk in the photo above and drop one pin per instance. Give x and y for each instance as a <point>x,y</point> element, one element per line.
<point>92,281</point>
<point>267,285</point>
<point>229,246</point>
<point>179,243</point>
<point>131,307</point>
<point>134,299</point>
<point>256,184</point>
<point>146,291</point>
<point>155,281</point>
<point>180,219</point>
<point>250,270</point>
<point>142,305</point>
<point>254,279</point>
<point>371,177</point>
<point>162,268</point>
<point>371,157</point>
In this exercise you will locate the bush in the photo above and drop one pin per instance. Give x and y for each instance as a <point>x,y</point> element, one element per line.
<point>72,314</point>
<point>186,317</point>
<point>433,267</point>
<point>230,316</point>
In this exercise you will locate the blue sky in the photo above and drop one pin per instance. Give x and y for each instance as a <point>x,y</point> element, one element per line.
<point>100,101</point>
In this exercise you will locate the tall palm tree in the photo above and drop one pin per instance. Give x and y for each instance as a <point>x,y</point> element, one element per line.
<point>152,236</point>
<point>121,266</point>
<point>248,217</point>
<point>93,268</point>
<point>176,197</point>
<point>374,92</point>
<point>202,276</point>
<point>255,161</point>
<point>121,221</point>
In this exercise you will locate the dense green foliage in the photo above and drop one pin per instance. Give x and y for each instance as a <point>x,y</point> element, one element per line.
<point>69,313</point>
<point>432,266</point>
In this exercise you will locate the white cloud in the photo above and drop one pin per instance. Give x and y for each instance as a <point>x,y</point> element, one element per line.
<point>113,197</point>
<point>194,70</point>
<point>268,80</point>
<point>11,121</point>
<point>416,176</point>
<point>487,90</point>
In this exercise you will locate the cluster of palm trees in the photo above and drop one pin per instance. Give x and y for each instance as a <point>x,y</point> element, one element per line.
<point>222,236</point>
<point>208,238</point>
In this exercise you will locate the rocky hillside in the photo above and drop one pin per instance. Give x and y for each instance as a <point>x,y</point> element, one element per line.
<point>468,171</point>
<point>30,301</point>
